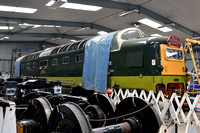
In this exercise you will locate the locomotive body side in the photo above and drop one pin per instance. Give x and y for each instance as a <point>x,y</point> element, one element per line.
<point>139,63</point>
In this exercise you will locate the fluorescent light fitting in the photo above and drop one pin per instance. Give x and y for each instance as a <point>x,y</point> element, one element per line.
<point>165,29</point>
<point>36,26</point>
<point>17,9</point>
<point>156,35</point>
<point>83,28</point>
<point>73,40</point>
<point>6,28</point>
<point>5,38</point>
<point>102,32</point>
<point>50,3</point>
<point>154,24</point>
<point>150,23</point>
<point>81,7</point>
<point>128,12</point>
<point>50,26</point>
<point>24,25</point>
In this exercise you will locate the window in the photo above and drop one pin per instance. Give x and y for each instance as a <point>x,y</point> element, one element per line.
<point>55,51</point>
<point>23,66</point>
<point>43,63</point>
<point>174,54</point>
<point>28,65</point>
<point>82,44</point>
<point>129,35</point>
<point>65,60</point>
<point>55,61</point>
<point>35,65</point>
<point>79,58</point>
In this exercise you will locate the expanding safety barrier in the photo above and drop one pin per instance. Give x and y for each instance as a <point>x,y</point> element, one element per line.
<point>166,107</point>
<point>7,117</point>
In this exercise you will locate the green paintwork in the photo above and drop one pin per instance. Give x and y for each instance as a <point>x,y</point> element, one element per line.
<point>123,70</point>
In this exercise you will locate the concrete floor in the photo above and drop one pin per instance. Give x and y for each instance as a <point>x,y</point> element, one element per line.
<point>170,126</point>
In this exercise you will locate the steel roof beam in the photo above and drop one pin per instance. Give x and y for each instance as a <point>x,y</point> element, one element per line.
<point>28,42</point>
<point>47,35</point>
<point>53,22</point>
<point>143,10</point>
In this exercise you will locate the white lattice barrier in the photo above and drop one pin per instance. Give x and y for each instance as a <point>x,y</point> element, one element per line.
<point>8,119</point>
<point>176,114</point>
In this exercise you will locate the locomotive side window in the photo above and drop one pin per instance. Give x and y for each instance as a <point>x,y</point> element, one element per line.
<point>28,65</point>
<point>23,66</point>
<point>43,64</point>
<point>65,60</point>
<point>135,59</point>
<point>129,35</point>
<point>54,61</point>
<point>35,65</point>
<point>79,58</point>
<point>174,54</point>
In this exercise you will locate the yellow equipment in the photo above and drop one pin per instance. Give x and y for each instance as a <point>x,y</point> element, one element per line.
<point>188,45</point>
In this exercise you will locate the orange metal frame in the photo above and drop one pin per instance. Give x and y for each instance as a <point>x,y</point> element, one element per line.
<point>188,45</point>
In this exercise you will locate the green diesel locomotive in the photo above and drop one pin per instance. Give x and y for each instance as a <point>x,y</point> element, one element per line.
<point>136,62</point>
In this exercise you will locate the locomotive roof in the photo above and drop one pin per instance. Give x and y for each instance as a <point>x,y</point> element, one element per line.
<point>119,38</point>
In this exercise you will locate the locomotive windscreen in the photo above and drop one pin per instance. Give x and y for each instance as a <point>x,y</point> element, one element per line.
<point>174,54</point>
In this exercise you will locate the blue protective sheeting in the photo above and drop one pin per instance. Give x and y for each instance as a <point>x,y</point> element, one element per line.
<point>17,67</point>
<point>96,60</point>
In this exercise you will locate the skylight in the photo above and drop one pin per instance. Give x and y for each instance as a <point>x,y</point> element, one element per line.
<point>6,28</point>
<point>154,25</point>
<point>17,9</point>
<point>76,6</point>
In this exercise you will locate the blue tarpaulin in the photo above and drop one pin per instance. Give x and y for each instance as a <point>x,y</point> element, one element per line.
<point>96,60</point>
<point>17,66</point>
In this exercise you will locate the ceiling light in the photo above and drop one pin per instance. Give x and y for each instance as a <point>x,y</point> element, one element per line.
<point>156,35</point>
<point>102,32</point>
<point>150,23</point>
<point>167,25</point>
<point>128,12</point>
<point>6,27</point>
<point>36,26</point>
<point>81,7</point>
<point>25,25</point>
<point>83,28</point>
<point>50,26</point>
<point>73,40</point>
<point>17,9</point>
<point>154,24</point>
<point>165,29</point>
<point>50,3</point>
<point>54,4</point>
<point>5,38</point>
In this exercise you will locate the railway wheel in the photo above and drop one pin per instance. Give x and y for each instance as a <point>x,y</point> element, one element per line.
<point>104,103</point>
<point>146,120</point>
<point>39,110</point>
<point>68,118</point>
<point>94,112</point>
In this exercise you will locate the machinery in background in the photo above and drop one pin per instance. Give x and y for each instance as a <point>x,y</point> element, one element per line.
<point>194,84</point>
<point>42,112</point>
